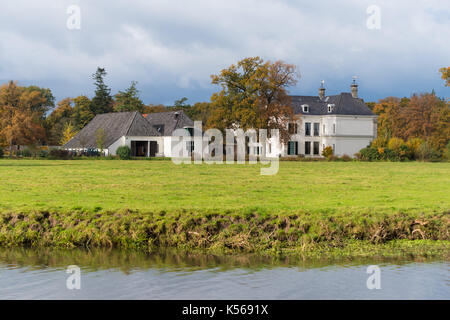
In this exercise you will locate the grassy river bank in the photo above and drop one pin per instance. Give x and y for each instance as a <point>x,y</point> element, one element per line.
<point>308,209</point>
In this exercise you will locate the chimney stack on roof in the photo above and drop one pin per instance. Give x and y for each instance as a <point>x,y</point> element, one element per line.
<point>322,90</point>
<point>354,88</point>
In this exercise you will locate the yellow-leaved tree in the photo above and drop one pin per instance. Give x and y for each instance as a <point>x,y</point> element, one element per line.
<point>68,133</point>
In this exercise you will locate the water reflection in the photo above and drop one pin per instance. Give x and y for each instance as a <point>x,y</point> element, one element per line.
<point>171,260</point>
<point>168,274</point>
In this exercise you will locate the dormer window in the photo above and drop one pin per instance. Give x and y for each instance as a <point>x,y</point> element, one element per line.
<point>330,108</point>
<point>305,108</point>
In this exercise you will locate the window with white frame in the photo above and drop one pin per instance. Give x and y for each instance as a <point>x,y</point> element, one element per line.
<point>316,128</point>
<point>305,108</point>
<point>307,128</point>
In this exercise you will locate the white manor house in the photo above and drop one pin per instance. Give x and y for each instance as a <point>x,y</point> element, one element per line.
<point>341,121</point>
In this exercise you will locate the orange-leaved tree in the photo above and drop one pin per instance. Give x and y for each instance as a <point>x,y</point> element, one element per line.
<point>254,96</point>
<point>22,112</point>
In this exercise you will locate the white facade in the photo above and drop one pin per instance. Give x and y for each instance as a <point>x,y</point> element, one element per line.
<point>127,141</point>
<point>345,134</point>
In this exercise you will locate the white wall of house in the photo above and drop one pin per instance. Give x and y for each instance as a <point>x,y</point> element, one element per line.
<point>126,141</point>
<point>113,148</point>
<point>167,146</point>
<point>346,134</point>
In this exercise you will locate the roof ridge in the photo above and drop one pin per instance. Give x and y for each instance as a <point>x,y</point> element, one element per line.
<point>131,123</point>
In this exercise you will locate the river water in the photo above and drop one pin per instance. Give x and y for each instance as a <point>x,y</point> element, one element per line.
<point>114,274</point>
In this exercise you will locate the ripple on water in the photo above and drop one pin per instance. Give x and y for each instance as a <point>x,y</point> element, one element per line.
<point>148,277</point>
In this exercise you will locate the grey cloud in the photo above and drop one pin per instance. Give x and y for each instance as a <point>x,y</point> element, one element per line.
<point>172,47</point>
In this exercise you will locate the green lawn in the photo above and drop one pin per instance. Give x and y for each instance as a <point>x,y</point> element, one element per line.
<point>99,185</point>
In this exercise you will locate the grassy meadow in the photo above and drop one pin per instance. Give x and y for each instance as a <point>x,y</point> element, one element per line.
<point>309,208</point>
<point>27,185</point>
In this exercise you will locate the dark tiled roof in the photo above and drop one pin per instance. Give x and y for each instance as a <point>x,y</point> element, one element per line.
<point>115,125</point>
<point>344,103</point>
<point>169,121</point>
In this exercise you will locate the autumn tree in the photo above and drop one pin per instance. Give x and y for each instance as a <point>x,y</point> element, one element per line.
<point>129,100</point>
<point>201,111</point>
<point>82,113</point>
<point>102,101</point>
<point>445,75</point>
<point>22,112</point>
<point>68,133</point>
<point>20,128</point>
<point>389,117</point>
<point>57,120</point>
<point>151,108</point>
<point>440,137</point>
<point>254,95</point>
<point>422,116</point>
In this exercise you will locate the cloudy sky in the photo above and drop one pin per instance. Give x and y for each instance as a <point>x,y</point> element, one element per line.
<point>172,47</point>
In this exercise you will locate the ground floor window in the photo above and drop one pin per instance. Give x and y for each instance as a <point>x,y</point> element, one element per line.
<point>292,148</point>
<point>316,148</point>
<point>307,147</point>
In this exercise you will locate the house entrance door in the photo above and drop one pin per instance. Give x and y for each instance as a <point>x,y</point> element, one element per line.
<point>139,148</point>
<point>153,148</point>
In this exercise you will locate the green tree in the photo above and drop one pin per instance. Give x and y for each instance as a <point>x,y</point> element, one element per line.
<point>40,106</point>
<point>82,113</point>
<point>180,103</point>
<point>129,100</point>
<point>102,101</point>
<point>100,136</point>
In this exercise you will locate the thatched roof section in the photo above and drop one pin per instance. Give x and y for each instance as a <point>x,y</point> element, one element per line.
<point>115,126</point>
<point>167,122</point>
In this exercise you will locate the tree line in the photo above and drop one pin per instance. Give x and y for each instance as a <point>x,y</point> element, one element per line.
<point>253,94</point>
<point>417,127</point>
